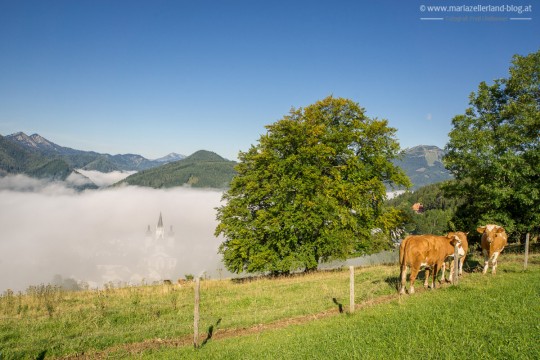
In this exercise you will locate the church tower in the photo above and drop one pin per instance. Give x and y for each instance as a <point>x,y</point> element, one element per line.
<point>160,230</point>
<point>159,262</point>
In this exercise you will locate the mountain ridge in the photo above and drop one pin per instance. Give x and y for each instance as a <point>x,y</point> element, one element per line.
<point>39,157</point>
<point>423,165</point>
<point>87,160</point>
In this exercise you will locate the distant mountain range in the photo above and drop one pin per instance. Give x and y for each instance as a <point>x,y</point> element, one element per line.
<point>38,157</point>
<point>87,160</point>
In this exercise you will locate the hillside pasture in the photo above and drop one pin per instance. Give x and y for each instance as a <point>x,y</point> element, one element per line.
<point>288,318</point>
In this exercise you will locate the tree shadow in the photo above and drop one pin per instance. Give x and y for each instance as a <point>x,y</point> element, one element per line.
<point>340,306</point>
<point>210,333</point>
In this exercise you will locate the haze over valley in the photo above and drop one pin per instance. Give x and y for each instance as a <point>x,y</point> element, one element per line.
<point>97,236</point>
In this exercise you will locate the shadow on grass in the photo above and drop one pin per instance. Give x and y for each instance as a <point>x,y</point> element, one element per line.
<point>393,282</point>
<point>472,265</point>
<point>40,356</point>
<point>211,330</point>
<point>340,306</point>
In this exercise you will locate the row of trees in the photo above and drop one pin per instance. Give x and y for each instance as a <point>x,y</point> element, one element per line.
<point>314,186</point>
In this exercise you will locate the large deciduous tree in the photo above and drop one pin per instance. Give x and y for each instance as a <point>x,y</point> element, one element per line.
<point>494,151</point>
<point>310,190</point>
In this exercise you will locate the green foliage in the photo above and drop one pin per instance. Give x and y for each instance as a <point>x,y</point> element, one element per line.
<point>203,169</point>
<point>311,190</point>
<point>494,152</point>
<point>438,211</point>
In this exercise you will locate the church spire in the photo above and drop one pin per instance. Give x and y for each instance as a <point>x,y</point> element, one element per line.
<point>160,221</point>
<point>160,231</point>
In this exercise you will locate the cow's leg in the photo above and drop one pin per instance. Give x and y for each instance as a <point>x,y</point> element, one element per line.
<point>486,261</point>
<point>403,276</point>
<point>435,270</point>
<point>451,276</point>
<point>443,271</point>
<point>426,277</point>
<point>412,278</point>
<point>494,263</point>
<point>461,261</point>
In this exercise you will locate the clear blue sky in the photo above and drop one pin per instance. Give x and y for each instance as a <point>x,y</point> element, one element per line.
<point>153,77</point>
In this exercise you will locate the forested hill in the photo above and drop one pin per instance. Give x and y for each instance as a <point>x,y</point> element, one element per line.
<point>423,165</point>
<point>202,169</point>
<point>15,159</point>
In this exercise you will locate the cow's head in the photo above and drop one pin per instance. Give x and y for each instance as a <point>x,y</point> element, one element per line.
<point>491,231</point>
<point>454,239</point>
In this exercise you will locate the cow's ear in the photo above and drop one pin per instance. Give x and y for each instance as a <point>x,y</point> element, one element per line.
<point>481,229</point>
<point>500,229</point>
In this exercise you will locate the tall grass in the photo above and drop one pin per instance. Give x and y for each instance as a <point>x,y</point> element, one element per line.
<point>86,321</point>
<point>119,322</point>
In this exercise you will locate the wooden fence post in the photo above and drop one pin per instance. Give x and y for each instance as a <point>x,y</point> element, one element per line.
<point>456,265</point>
<point>526,252</point>
<point>196,313</point>
<point>351,289</point>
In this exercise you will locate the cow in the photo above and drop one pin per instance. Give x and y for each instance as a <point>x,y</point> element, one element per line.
<point>428,251</point>
<point>494,239</point>
<point>465,245</point>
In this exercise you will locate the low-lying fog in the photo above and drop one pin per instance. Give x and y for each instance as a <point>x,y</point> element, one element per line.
<point>96,236</point>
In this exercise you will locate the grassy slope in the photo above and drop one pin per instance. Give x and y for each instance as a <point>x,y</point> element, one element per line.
<point>118,322</point>
<point>485,317</point>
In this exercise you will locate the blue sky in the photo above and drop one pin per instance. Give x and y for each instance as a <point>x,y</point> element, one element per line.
<point>154,77</point>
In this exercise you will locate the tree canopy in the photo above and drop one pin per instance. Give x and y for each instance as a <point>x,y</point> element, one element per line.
<point>313,188</point>
<point>437,209</point>
<point>494,151</point>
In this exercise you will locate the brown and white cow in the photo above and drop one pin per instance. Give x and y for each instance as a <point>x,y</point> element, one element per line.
<point>465,245</point>
<point>428,251</point>
<point>494,239</point>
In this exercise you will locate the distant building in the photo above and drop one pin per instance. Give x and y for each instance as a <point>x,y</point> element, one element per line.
<point>418,208</point>
<point>159,264</point>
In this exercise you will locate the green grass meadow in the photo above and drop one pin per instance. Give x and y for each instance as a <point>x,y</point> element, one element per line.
<point>297,317</point>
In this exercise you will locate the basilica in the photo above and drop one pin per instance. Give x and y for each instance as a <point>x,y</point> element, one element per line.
<point>159,248</point>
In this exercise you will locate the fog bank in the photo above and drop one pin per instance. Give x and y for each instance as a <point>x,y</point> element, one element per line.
<point>101,235</point>
<point>102,179</point>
